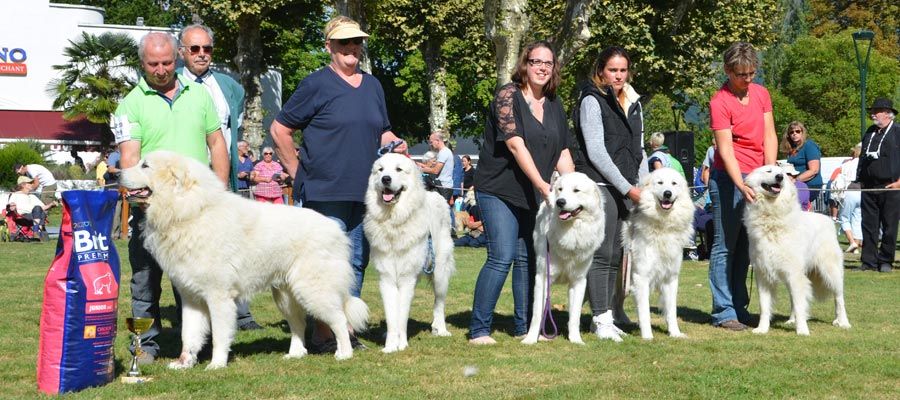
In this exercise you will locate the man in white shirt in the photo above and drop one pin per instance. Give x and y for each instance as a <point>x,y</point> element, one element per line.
<point>443,166</point>
<point>196,50</point>
<point>41,178</point>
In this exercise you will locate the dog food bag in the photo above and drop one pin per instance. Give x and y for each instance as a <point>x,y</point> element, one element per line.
<point>81,291</point>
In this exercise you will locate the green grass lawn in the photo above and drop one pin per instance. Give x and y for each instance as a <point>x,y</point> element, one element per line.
<point>863,362</point>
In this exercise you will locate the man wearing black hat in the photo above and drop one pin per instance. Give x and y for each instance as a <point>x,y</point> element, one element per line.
<point>879,168</point>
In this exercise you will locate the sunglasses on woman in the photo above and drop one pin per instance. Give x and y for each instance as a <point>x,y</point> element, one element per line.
<point>344,42</point>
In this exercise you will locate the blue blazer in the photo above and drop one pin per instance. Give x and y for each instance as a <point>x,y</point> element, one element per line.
<point>234,97</point>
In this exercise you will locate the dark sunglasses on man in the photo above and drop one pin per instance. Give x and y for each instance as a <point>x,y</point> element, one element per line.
<point>196,49</point>
<point>356,40</point>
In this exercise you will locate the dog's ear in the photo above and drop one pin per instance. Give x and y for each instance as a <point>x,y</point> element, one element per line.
<point>180,173</point>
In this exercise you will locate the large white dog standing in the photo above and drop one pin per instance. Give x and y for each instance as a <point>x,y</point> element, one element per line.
<point>569,227</point>
<point>217,246</point>
<point>791,246</point>
<point>400,217</point>
<point>658,229</point>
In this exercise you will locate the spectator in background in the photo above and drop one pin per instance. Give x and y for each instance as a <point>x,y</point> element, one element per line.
<point>112,167</point>
<point>474,236</point>
<point>42,181</point>
<point>442,168</point>
<point>804,154</point>
<point>468,172</point>
<point>850,213</point>
<point>659,154</point>
<point>268,175</point>
<point>879,168</point>
<point>100,169</point>
<point>708,162</point>
<point>27,210</point>
<point>245,167</point>
<point>77,160</point>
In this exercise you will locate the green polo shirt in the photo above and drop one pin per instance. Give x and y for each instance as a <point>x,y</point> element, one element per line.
<point>180,125</point>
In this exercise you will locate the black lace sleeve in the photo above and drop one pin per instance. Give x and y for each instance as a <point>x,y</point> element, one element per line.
<point>506,117</point>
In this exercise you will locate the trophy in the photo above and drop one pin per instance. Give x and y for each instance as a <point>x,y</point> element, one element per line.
<point>137,326</point>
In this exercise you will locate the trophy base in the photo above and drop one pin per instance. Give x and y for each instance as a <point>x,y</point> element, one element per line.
<point>136,379</point>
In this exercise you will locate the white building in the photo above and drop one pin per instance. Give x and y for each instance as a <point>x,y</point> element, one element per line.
<point>32,38</point>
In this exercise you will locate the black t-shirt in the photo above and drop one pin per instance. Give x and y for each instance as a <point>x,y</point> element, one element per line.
<point>498,173</point>
<point>468,178</point>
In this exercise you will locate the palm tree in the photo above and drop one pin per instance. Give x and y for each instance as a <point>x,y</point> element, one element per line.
<point>100,71</point>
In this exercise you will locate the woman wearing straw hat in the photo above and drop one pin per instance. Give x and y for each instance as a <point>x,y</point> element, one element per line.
<point>343,115</point>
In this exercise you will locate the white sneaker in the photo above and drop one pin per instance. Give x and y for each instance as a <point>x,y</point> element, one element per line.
<point>605,329</point>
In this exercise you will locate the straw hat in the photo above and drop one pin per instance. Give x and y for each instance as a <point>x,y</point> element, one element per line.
<point>345,29</point>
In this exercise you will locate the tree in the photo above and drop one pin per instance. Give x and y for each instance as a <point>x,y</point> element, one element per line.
<point>98,74</point>
<point>126,12</point>
<point>828,17</point>
<point>505,22</point>
<point>820,80</point>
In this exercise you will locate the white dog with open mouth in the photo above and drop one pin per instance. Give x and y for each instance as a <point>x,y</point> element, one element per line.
<point>658,229</point>
<point>408,229</point>
<point>217,246</point>
<point>568,230</point>
<point>791,246</point>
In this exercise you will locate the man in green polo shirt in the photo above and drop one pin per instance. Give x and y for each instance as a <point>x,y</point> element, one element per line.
<point>163,112</point>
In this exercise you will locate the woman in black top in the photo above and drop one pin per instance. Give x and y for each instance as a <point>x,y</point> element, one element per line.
<point>468,172</point>
<point>525,139</point>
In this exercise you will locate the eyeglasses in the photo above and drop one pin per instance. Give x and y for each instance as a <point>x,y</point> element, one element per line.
<point>745,75</point>
<point>344,42</point>
<point>196,49</point>
<point>534,62</point>
<point>268,153</point>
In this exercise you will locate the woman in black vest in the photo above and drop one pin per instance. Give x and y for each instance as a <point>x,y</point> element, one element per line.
<point>609,130</point>
<point>525,139</point>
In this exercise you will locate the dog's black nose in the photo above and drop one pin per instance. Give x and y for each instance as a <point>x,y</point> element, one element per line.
<point>779,178</point>
<point>560,202</point>
<point>667,194</point>
<point>386,179</point>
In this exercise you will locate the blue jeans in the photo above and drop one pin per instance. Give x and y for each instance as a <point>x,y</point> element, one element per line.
<point>509,231</point>
<point>349,214</point>
<point>730,255</point>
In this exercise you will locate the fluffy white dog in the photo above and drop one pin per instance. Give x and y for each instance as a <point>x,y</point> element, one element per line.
<point>659,228</point>
<point>217,246</point>
<point>568,230</point>
<point>791,246</point>
<point>401,216</point>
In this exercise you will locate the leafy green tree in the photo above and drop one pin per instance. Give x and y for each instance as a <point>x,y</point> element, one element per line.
<point>98,74</point>
<point>126,12</point>
<point>821,80</point>
<point>828,17</point>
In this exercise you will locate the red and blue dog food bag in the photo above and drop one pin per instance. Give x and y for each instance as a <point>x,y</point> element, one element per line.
<point>81,291</point>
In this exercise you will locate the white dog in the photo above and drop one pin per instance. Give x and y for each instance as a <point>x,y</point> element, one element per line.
<point>401,216</point>
<point>569,227</point>
<point>791,246</point>
<point>217,246</point>
<point>658,229</point>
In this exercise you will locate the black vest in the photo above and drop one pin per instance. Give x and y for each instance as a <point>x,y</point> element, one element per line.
<point>622,135</point>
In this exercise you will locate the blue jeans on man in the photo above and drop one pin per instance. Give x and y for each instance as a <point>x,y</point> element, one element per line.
<point>729,258</point>
<point>509,233</point>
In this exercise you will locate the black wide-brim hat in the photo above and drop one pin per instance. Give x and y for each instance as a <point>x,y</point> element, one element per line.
<point>883,103</point>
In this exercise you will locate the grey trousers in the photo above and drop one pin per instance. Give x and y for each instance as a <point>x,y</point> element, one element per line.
<point>604,269</point>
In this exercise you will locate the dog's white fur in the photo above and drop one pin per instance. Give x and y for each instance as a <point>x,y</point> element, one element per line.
<point>400,217</point>
<point>791,246</point>
<point>217,246</point>
<point>571,221</point>
<point>658,229</point>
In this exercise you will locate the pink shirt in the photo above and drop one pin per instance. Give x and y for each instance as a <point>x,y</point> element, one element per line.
<point>747,125</point>
<point>269,190</point>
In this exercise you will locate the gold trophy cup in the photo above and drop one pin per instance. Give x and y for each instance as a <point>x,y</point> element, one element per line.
<point>137,326</point>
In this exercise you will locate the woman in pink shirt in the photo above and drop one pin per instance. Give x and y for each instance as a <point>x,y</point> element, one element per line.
<point>741,119</point>
<point>268,175</point>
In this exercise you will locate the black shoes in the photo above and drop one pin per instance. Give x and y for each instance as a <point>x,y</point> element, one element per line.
<point>249,326</point>
<point>884,267</point>
<point>733,325</point>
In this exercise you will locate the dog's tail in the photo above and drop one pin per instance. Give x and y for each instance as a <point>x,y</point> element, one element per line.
<point>357,313</point>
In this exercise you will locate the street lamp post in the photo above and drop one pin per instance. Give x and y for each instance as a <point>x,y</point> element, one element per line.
<point>860,38</point>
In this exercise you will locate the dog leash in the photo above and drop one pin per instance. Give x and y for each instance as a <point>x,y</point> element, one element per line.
<point>548,316</point>
<point>428,267</point>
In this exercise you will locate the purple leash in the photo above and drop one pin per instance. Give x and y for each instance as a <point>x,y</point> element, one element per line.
<point>548,316</point>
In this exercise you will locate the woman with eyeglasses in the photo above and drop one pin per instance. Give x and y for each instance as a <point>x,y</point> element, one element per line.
<point>740,114</point>
<point>804,154</point>
<point>525,139</point>
<point>268,175</point>
<point>343,115</point>
<point>609,132</point>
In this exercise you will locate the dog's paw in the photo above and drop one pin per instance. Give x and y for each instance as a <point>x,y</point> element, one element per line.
<point>298,354</point>
<point>760,330</point>
<point>440,332</point>
<point>677,335</point>
<point>803,332</point>
<point>647,337</point>
<point>215,365</point>
<point>185,361</point>
<point>529,340</point>
<point>790,321</point>
<point>390,349</point>
<point>576,340</point>
<point>841,324</point>
<point>338,355</point>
